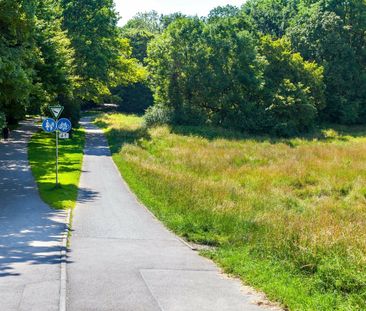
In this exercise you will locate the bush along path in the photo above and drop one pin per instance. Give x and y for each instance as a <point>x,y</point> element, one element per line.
<point>30,232</point>
<point>123,258</point>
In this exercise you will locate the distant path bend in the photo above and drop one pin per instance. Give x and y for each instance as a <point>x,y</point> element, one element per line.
<point>122,258</point>
<point>30,233</point>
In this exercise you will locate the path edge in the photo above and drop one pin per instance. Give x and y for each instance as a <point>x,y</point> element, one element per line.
<point>63,258</point>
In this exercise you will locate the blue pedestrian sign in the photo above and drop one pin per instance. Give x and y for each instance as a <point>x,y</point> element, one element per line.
<point>64,125</point>
<point>49,125</point>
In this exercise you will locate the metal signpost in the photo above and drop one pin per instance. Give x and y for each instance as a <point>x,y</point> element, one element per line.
<point>61,127</point>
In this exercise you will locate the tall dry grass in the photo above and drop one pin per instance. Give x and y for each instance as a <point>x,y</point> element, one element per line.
<point>299,202</point>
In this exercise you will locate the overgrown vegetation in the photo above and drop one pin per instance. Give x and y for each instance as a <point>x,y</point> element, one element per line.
<point>42,158</point>
<point>35,58</point>
<point>60,52</point>
<point>273,66</point>
<point>286,215</point>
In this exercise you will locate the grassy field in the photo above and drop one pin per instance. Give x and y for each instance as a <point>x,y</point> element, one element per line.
<point>42,158</point>
<point>286,216</point>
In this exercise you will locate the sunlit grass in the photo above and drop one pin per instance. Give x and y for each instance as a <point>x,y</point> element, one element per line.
<point>287,216</point>
<point>42,158</point>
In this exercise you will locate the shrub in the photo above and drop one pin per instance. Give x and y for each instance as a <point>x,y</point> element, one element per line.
<point>157,115</point>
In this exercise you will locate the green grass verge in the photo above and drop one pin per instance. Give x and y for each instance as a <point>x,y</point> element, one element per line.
<point>286,216</point>
<point>41,155</point>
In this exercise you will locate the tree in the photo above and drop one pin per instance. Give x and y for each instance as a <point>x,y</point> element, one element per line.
<point>139,40</point>
<point>140,31</point>
<point>294,90</point>
<point>167,19</point>
<point>102,56</point>
<point>35,59</point>
<point>149,21</point>
<point>205,73</point>
<point>142,28</point>
<point>235,74</point>
<point>17,52</point>
<point>271,16</point>
<point>172,58</point>
<point>54,79</point>
<point>218,73</point>
<point>338,43</point>
<point>223,12</point>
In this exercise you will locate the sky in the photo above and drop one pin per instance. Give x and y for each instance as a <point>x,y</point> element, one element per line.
<point>128,8</point>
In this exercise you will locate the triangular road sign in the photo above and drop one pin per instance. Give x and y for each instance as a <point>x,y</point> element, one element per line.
<point>56,110</point>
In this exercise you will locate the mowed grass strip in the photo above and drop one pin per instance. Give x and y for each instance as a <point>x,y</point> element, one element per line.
<point>42,158</point>
<point>287,216</point>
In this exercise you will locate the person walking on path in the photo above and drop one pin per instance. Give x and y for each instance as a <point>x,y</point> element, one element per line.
<point>6,133</point>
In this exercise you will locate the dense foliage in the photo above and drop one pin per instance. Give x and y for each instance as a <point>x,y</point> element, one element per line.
<point>274,66</point>
<point>60,52</point>
<point>17,54</point>
<point>54,80</point>
<point>332,33</point>
<point>102,56</point>
<point>278,67</point>
<point>219,73</point>
<point>140,31</point>
<point>36,59</point>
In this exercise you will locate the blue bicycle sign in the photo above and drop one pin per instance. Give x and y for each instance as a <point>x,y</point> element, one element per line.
<point>49,125</point>
<point>64,125</point>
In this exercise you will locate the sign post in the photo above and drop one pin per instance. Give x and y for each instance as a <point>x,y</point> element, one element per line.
<point>49,126</point>
<point>62,127</point>
<point>56,111</point>
<point>56,158</point>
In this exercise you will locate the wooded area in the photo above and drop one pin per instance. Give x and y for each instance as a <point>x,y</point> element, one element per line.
<point>273,66</point>
<point>60,52</point>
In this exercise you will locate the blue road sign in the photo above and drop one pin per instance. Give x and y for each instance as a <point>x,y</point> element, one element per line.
<point>49,125</point>
<point>64,125</point>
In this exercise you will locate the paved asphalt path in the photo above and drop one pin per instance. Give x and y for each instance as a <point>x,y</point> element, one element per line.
<point>122,258</point>
<point>30,233</point>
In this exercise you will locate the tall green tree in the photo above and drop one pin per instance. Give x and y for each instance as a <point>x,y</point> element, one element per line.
<point>271,16</point>
<point>139,40</point>
<point>167,19</point>
<point>216,72</point>
<point>149,21</point>
<point>223,12</point>
<point>54,79</point>
<point>36,59</point>
<point>17,54</point>
<point>293,94</point>
<point>198,70</point>
<point>140,31</point>
<point>102,57</point>
<point>332,33</point>
<point>143,27</point>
